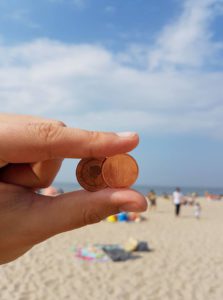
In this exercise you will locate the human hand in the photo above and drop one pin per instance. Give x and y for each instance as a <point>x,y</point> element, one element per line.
<point>34,149</point>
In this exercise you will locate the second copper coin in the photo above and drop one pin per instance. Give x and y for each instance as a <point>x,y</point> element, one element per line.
<point>120,171</point>
<point>89,174</point>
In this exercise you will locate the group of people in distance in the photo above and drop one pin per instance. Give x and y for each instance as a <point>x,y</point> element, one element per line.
<point>177,197</point>
<point>178,200</point>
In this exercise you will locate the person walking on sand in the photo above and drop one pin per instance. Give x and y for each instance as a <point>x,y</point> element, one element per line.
<point>152,199</point>
<point>177,200</point>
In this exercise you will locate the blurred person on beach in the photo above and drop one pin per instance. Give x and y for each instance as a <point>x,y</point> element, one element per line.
<point>177,200</point>
<point>31,152</point>
<point>211,197</point>
<point>190,199</point>
<point>152,199</point>
<point>194,196</point>
<point>165,196</point>
<point>197,210</point>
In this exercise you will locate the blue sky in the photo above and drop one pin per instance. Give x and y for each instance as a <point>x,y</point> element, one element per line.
<point>114,23</point>
<point>155,67</point>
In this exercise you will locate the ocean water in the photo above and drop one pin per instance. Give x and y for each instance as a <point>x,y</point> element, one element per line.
<point>144,189</point>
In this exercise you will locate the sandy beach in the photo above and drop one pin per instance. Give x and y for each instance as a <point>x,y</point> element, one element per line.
<point>186,261</point>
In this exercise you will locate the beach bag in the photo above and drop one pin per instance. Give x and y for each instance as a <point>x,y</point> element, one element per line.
<point>142,247</point>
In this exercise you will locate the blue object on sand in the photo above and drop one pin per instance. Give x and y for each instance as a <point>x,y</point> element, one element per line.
<point>122,217</point>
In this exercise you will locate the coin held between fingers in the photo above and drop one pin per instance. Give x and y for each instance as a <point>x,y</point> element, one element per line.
<point>89,174</point>
<point>119,171</point>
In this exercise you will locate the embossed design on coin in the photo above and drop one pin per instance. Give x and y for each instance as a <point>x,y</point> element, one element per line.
<point>89,174</point>
<point>120,171</point>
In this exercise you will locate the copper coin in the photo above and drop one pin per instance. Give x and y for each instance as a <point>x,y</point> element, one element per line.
<point>89,174</point>
<point>120,171</point>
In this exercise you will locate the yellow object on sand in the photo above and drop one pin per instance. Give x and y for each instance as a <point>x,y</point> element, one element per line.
<point>112,219</point>
<point>131,245</point>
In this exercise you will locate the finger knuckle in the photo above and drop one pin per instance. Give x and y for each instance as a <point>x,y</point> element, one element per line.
<point>93,138</point>
<point>48,131</point>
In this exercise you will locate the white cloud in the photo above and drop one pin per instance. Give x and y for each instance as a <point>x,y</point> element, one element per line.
<point>187,42</point>
<point>88,86</point>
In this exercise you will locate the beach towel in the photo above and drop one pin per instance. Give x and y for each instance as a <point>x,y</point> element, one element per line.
<point>91,253</point>
<point>112,252</point>
<point>117,254</point>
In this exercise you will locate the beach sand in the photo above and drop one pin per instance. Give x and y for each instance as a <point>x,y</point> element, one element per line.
<point>186,261</point>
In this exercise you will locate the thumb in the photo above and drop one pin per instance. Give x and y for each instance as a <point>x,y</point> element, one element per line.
<point>54,215</point>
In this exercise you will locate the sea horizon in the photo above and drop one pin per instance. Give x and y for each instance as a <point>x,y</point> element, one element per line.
<point>145,188</point>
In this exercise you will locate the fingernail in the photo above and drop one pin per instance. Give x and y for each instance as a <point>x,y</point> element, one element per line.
<point>126,134</point>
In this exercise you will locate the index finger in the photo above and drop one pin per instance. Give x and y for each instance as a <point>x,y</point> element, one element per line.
<point>34,142</point>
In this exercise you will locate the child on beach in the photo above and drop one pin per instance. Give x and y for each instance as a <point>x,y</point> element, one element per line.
<point>197,210</point>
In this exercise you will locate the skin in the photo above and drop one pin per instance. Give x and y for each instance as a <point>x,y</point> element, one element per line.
<point>34,149</point>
